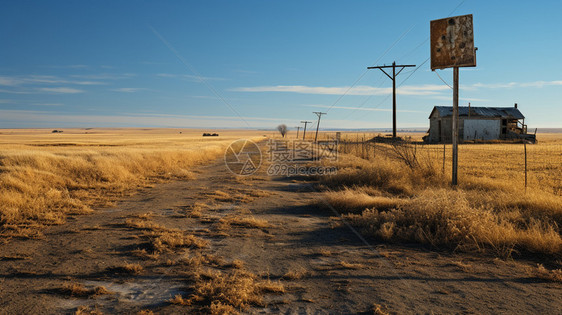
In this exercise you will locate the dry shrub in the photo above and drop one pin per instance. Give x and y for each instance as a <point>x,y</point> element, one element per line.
<point>179,300</point>
<point>554,275</point>
<point>378,309</point>
<point>143,253</point>
<point>445,218</point>
<point>218,308</point>
<point>348,265</point>
<point>357,199</point>
<point>220,195</point>
<point>86,310</point>
<point>79,290</point>
<point>129,268</point>
<point>296,274</point>
<point>236,290</point>
<point>236,263</point>
<point>196,210</point>
<point>143,224</point>
<point>197,260</point>
<point>242,221</point>
<point>166,240</point>
<point>237,195</point>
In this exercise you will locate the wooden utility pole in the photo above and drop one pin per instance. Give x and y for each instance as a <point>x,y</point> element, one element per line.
<point>298,128</point>
<point>393,78</point>
<point>304,132</point>
<point>319,114</point>
<point>455,124</point>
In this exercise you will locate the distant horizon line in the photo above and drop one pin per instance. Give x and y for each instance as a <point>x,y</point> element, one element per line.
<point>380,129</point>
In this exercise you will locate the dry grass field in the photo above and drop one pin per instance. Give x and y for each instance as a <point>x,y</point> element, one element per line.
<point>402,194</point>
<point>44,176</point>
<point>170,230</point>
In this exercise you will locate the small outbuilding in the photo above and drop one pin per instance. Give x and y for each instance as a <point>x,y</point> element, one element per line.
<point>477,123</point>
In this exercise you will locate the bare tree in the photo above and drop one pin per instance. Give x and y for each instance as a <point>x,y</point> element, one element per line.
<point>282,130</point>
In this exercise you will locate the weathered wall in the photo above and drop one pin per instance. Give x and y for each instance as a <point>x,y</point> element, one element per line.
<point>481,129</point>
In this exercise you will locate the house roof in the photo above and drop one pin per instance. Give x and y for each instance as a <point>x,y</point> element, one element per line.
<point>503,112</point>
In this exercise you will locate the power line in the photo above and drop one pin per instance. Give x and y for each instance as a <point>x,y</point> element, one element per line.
<point>442,79</point>
<point>411,74</point>
<point>376,61</point>
<point>199,76</point>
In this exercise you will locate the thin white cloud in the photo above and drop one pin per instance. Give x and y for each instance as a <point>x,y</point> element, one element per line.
<point>17,91</point>
<point>450,98</point>
<point>510,85</point>
<point>367,109</point>
<point>61,90</point>
<point>104,76</point>
<point>68,66</point>
<point>189,77</point>
<point>427,89</point>
<point>47,104</point>
<point>417,90</point>
<point>128,90</point>
<point>41,79</point>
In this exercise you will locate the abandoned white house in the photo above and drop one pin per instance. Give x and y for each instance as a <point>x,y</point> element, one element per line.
<point>477,123</point>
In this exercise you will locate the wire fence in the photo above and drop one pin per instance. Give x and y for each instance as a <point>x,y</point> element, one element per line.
<point>537,166</point>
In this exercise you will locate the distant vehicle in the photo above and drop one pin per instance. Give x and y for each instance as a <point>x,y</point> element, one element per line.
<point>210,134</point>
<point>56,131</point>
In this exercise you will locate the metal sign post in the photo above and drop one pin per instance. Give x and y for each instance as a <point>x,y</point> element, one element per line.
<point>452,46</point>
<point>455,124</point>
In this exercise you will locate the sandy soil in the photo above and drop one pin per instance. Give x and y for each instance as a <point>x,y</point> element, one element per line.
<point>340,271</point>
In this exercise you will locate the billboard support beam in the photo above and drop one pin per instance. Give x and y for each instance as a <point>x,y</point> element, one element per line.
<point>455,124</point>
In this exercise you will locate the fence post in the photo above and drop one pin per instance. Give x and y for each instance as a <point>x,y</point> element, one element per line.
<point>525,148</point>
<point>444,150</point>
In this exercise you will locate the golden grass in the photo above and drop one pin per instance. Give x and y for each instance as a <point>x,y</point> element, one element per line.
<point>79,290</point>
<point>378,309</point>
<point>488,212</point>
<point>236,290</point>
<point>347,265</point>
<point>162,241</point>
<point>86,310</point>
<point>237,195</point>
<point>296,274</point>
<point>129,268</point>
<point>358,199</point>
<point>242,221</point>
<point>44,176</point>
<point>554,275</point>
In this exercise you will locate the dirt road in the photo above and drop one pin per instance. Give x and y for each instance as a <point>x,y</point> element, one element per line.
<point>323,265</point>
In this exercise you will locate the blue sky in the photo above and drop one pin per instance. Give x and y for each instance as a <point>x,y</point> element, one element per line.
<point>260,63</point>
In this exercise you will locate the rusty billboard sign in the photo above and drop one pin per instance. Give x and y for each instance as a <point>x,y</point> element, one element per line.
<point>452,42</point>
